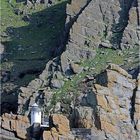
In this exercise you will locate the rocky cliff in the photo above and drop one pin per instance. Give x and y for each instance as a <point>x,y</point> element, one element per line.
<point>91,24</point>
<point>103,105</point>
<point>109,108</point>
<point>106,23</point>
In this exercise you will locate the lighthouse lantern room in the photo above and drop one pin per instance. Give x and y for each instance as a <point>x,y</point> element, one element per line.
<point>35,114</point>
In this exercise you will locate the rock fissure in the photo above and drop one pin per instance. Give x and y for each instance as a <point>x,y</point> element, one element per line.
<point>118,28</point>
<point>132,112</point>
<point>72,19</point>
<point>30,72</point>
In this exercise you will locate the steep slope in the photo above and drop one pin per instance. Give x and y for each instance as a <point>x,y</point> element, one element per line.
<point>93,24</point>
<point>107,104</point>
<point>80,17</point>
<point>107,23</point>
<point>108,108</point>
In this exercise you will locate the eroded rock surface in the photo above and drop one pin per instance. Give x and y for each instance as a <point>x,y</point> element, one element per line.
<point>15,125</point>
<point>115,22</point>
<point>111,106</point>
<point>63,131</point>
<point>136,105</point>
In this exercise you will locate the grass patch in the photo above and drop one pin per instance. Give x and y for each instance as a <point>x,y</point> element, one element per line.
<point>96,65</point>
<point>30,44</point>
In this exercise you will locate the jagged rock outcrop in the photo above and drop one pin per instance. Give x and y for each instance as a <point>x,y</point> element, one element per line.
<point>64,65</point>
<point>108,107</point>
<point>85,31</point>
<point>115,22</point>
<point>28,96</point>
<point>74,8</point>
<point>116,103</point>
<point>131,34</point>
<point>136,105</point>
<point>111,106</point>
<point>15,125</point>
<point>63,131</point>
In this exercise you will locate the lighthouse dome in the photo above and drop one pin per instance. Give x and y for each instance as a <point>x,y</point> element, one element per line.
<point>35,108</point>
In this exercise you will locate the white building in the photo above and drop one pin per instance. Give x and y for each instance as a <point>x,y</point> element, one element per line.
<point>35,114</point>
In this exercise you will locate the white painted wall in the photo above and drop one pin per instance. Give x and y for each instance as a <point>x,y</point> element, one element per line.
<point>35,117</point>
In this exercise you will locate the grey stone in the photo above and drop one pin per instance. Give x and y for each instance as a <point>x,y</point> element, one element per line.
<point>57,107</point>
<point>2,48</point>
<point>76,68</point>
<point>35,84</point>
<point>55,83</point>
<point>105,44</point>
<point>58,75</point>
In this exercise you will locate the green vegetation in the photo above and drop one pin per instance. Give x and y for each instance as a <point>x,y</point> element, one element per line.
<point>30,34</point>
<point>103,57</point>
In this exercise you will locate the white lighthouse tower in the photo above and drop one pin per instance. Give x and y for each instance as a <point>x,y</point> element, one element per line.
<point>35,114</point>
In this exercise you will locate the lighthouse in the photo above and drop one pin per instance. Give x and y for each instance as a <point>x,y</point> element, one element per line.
<point>35,114</point>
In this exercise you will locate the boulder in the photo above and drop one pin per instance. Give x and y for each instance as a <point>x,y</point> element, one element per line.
<point>118,69</point>
<point>105,44</point>
<point>63,131</point>
<point>16,124</point>
<point>57,83</point>
<point>76,68</point>
<point>35,84</point>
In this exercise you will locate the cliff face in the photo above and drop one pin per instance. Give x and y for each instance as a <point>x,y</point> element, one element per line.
<point>14,126</point>
<point>106,23</point>
<point>91,24</point>
<point>108,106</point>
<point>109,109</point>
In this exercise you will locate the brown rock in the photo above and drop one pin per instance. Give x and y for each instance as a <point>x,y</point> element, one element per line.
<point>63,127</point>
<point>16,123</point>
<point>103,103</point>
<point>50,135</point>
<point>61,120</point>
<point>119,70</point>
<point>108,127</point>
<point>76,68</point>
<point>102,90</point>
